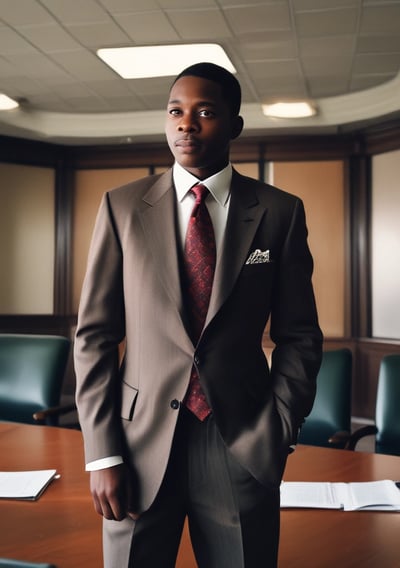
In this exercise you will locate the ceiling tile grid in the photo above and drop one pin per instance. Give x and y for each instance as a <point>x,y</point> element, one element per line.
<point>280,48</point>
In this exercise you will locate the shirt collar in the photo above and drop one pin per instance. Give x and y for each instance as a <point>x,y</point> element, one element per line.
<point>218,184</point>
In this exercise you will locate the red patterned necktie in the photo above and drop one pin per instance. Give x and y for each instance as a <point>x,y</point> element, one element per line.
<point>200,257</point>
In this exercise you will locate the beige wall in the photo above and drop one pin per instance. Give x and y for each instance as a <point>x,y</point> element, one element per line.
<point>27,237</point>
<point>321,187</point>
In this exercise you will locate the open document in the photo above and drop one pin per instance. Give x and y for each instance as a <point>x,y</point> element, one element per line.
<point>365,495</point>
<point>28,485</point>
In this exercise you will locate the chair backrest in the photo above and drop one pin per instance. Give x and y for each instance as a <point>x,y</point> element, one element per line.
<point>331,412</point>
<point>32,369</point>
<point>387,406</point>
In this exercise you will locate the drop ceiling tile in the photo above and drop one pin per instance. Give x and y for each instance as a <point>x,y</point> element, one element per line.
<point>258,18</point>
<point>378,43</point>
<point>11,42</point>
<point>74,90</point>
<point>315,66</point>
<point>110,88</point>
<point>99,34</point>
<point>199,24</point>
<point>377,63</point>
<point>280,87</point>
<point>125,104</point>
<point>21,12</point>
<point>273,68</point>
<point>147,87</point>
<point>375,19</point>
<point>36,65</point>
<point>155,100</point>
<point>269,48</point>
<point>49,37</point>
<point>84,65</point>
<point>117,6</point>
<point>327,86</point>
<point>361,82</point>
<point>147,27</point>
<point>7,69</point>
<point>305,5</point>
<point>24,87</point>
<point>250,4</point>
<point>322,46</point>
<point>178,4</point>
<point>338,22</point>
<point>76,12</point>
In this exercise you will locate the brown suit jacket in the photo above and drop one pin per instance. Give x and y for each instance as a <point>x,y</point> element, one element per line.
<point>133,290</point>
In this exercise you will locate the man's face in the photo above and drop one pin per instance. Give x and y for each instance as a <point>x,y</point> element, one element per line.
<point>199,126</point>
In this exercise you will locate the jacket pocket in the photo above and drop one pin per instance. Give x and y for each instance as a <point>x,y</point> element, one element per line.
<point>128,401</point>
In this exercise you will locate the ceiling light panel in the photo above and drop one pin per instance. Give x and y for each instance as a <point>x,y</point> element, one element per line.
<point>296,109</point>
<point>6,103</point>
<point>162,60</point>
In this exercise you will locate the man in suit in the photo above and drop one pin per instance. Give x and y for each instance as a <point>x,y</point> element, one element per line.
<point>153,462</point>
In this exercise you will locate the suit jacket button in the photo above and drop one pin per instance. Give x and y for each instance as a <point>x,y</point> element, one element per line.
<point>175,404</point>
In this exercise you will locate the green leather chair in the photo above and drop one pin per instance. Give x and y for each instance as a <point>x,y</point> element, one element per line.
<point>329,423</point>
<point>32,369</point>
<point>8,563</point>
<point>387,421</point>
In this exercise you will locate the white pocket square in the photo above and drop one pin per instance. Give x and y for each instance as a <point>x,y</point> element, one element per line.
<point>259,257</point>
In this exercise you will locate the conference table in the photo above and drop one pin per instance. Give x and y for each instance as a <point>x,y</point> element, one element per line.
<point>62,527</point>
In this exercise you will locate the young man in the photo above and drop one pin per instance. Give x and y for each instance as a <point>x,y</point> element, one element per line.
<point>153,461</point>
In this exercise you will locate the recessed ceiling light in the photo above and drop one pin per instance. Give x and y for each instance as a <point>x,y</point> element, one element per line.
<point>6,103</point>
<point>162,60</point>
<point>292,109</point>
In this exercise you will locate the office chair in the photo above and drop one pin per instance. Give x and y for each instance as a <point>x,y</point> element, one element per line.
<point>8,563</point>
<point>387,423</point>
<point>329,423</point>
<point>32,370</point>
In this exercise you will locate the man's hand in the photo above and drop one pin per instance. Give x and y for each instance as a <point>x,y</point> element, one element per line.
<point>112,491</point>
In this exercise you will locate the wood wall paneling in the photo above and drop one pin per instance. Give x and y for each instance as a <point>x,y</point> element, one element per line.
<point>321,187</point>
<point>89,187</point>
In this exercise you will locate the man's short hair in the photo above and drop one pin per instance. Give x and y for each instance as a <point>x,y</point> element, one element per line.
<point>230,86</point>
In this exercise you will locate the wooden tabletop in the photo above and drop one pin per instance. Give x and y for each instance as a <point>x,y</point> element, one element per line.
<point>62,527</point>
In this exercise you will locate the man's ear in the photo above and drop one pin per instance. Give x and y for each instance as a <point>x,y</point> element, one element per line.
<point>237,127</point>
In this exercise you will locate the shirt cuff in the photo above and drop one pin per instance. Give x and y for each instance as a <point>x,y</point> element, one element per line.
<point>103,463</point>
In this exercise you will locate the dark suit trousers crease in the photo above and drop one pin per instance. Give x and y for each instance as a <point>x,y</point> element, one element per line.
<point>233,520</point>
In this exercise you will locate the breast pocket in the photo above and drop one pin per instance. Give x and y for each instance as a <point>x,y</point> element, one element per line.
<point>258,274</point>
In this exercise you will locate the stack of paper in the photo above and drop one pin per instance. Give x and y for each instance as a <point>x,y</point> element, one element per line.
<point>365,495</point>
<point>25,484</point>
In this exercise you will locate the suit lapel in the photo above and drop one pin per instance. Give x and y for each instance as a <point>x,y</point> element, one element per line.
<point>159,224</point>
<point>245,214</point>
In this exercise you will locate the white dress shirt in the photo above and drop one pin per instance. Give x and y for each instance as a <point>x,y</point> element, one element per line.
<point>218,206</point>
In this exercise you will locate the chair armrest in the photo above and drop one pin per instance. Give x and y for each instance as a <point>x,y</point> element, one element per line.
<point>369,430</point>
<point>339,439</point>
<point>49,415</point>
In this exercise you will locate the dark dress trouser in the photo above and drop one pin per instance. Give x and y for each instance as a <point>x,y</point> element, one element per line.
<point>233,519</point>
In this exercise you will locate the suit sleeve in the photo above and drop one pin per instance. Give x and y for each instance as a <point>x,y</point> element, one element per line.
<point>294,329</point>
<point>100,329</point>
